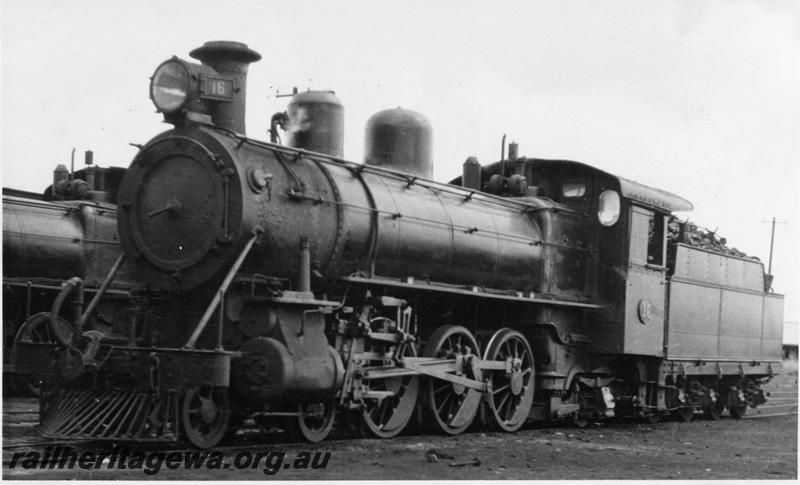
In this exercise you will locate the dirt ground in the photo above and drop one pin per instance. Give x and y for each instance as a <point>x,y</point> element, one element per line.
<point>758,447</point>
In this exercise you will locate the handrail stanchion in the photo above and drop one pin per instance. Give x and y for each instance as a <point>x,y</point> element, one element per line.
<point>201,325</point>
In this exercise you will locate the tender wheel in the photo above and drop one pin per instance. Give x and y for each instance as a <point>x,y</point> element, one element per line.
<point>387,417</point>
<point>205,415</point>
<point>713,405</point>
<point>737,405</point>
<point>512,390</point>
<point>315,420</point>
<point>451,407</point>
<point>36,329</point>
<point>684,402</point>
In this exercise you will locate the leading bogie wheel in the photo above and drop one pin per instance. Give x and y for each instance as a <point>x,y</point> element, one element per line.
<point>205,414</point>
<point>451,407</point>
<point>315,420</point>
<point>512,389</point>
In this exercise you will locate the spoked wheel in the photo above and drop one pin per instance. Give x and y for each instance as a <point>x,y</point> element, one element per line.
<point>512,389</point>
<point>205,414</point>
<point>315,420</point>
<point>686,408</point>
<point>714,405</point>
<point>452,407</point>
<point>37,330</point>
<point>737,404</point>
<point>386,418</point>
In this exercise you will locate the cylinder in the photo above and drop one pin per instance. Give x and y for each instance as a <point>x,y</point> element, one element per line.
<point>316,123</point>
<point>400,139</point>
<point>471,174</point>
<point>268,372</point>
<point>229,59</point>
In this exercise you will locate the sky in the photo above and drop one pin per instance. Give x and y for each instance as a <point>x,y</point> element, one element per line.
<point>697,97</point>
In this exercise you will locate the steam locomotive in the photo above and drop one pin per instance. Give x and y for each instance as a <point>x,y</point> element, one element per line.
<point>69,229</point>
<point>282,283</point>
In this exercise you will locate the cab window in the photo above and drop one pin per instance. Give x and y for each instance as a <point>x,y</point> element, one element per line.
<point>573,189</point>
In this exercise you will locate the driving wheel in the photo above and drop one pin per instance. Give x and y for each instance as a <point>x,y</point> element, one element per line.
<point>451,407</point>
<point>512,389</point>
<point>386,418</point>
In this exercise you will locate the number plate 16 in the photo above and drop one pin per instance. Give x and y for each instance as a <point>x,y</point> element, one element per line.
<point>214,87</point>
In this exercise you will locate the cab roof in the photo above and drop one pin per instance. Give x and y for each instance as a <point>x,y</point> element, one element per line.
<point>629,189</point>
<point>643,194</point>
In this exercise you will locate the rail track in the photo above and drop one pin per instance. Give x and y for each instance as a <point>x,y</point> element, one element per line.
<point>21,415</point>
<point>613,450</point>
<point>781,403</point>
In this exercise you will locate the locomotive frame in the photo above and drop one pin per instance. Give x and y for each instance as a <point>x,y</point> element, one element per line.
<point>530,289</point>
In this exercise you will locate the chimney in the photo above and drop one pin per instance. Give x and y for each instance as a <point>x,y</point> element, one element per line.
<point>229,59</point>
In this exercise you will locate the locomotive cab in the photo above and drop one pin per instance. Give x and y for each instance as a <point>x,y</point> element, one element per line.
<point>606,244</point>
<point>626,230</point>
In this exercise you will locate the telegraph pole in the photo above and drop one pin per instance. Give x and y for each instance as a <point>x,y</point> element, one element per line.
<point>772,241</point>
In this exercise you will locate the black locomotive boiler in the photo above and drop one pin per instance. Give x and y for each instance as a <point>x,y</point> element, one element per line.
<point>282,282</point>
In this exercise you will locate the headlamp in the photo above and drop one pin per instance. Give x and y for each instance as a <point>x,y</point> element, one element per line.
<point>170,86</point>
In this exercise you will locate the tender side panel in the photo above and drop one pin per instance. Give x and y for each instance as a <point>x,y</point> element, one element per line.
<point>718,310</point>
<point>717,269</point>
<point>740,325</point>
<point>772,330</point>
<point>693,328</point>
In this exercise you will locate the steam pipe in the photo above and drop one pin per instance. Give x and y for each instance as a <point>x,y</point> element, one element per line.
<point>66,289</point>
